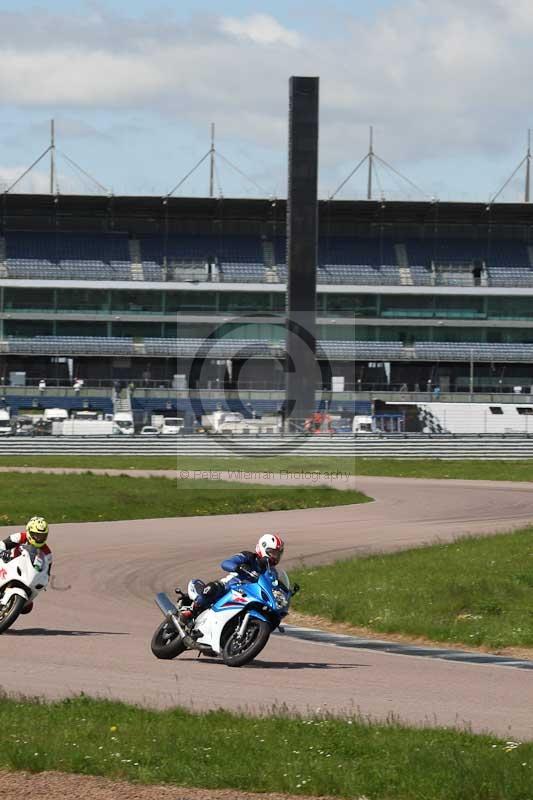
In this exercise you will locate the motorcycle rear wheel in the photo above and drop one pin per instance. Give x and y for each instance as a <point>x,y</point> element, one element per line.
<point>166,642</point>
<point>10,612</point>
<point>236,653</point>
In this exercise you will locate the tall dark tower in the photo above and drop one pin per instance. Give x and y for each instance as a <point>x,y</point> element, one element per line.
<point>302,370</point>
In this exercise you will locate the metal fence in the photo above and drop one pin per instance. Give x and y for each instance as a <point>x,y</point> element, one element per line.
<point>370,446</point>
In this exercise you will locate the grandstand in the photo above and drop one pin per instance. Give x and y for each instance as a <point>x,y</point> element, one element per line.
<point>136,289</point>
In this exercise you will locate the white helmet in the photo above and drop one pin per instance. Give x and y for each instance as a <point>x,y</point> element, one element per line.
<point>270,546</point>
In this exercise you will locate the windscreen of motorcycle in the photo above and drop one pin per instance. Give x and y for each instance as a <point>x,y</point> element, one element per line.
<point>283,578</point>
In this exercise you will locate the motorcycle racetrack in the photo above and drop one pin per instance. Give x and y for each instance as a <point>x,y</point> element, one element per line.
<point>91,631</point>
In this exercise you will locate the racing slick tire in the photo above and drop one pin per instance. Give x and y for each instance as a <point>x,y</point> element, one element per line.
<point>166,642</point>
<point>237,653</point>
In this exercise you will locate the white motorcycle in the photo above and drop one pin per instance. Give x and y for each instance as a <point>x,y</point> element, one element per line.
<point>21,580</point>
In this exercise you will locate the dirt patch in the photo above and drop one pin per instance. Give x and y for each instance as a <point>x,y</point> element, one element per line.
<point>310,621</point>
<point>58,785</point>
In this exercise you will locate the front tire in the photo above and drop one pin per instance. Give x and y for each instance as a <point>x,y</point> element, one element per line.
<point>166,643</point>
<point>10,612</point>
<point>238,653</point>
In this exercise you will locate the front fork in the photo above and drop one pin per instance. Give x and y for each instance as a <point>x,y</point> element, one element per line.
<point>241,630</point>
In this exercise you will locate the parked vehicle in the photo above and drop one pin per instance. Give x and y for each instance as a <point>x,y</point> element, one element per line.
<point>5,423</point>
<point>123,423</point>
<point>55,414</point>
<point>21,580</point>
<point>233,422</point>
<point>24,426</point>
<point>236,627</point>
<point>149,430</point>
<point>167,425</point>
<point>363,424</point>
<point>86,427</point>
<point>172,426</point>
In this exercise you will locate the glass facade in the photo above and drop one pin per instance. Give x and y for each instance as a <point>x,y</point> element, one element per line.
<point>343,305</point>
<point>415,317</point>
<point>137,302</point>
<point>245,302</point>
<point>79,328</point>
<point>93,300</point>
<point>28,299</point>
<point>510,308</point>
<point>190,302</point>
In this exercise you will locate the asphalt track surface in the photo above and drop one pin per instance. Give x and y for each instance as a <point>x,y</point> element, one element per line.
<point>91,632</point>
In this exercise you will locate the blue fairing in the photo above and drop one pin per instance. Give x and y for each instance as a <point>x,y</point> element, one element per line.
<point>266,598</point>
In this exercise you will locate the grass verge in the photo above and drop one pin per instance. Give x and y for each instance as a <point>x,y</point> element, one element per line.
<point>314,756</point>
<point>474,591</point>
<point>88,497</point>
<point>517,470</point>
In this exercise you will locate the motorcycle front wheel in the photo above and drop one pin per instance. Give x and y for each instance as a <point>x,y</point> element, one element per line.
<point>166,642</point>
<point>10,611</point>
<point>240,651</point>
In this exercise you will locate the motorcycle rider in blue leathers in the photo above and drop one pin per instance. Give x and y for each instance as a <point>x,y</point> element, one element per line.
<point>247,565</point>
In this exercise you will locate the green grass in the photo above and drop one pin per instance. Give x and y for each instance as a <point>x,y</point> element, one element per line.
<point>85,497</point>
<point>518,470</point>
<point>341,757</point>
<point>475,591</point>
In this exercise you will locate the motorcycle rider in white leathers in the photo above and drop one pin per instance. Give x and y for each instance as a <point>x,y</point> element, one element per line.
<point>33,538</point>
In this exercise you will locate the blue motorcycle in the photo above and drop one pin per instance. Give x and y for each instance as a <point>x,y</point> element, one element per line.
<point>236,627</point>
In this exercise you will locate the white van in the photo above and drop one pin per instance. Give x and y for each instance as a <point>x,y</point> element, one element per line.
<point>363,424</point>
<point>5,425</point>
<point>171,425</point>
<point>123,423</point>
<point>55,414</point>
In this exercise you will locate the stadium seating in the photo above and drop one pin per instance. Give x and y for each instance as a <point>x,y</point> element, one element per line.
<point>262,348</point>
<point>478,351</point>
<point>243,272</point>
<point>73,345</point>
<point>259,406</point>
<point>103,404</point>
<point>193,347</point>
<point>207,247</point>
<point>510,276</point>
<point>495,252</point>
<point>64,256</point>
<point>344,260</point>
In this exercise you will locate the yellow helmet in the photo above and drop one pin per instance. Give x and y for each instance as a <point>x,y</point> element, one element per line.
<point>37,531</point>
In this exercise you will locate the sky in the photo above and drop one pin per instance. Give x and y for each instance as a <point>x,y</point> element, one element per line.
<point>134,86</point>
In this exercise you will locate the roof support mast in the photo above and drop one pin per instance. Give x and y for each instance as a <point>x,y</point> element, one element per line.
<point>370,164</point>
<point>52,156</point>
<point>528,166</point>
<point>212,161</point>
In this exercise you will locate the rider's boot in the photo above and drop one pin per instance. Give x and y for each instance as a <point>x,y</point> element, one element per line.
<point>186,616</point>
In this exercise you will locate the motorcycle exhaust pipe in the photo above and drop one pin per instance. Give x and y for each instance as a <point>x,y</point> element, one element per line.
<point>165,606</point>
<point>170,611</point>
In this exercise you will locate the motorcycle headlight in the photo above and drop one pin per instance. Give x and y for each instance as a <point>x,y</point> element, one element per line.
<point>281,598</point>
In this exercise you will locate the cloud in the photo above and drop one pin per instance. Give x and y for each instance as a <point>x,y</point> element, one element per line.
<point>260,28</point>
<point>38,181</point>
<point>35,181</point>
<point>436,78</point>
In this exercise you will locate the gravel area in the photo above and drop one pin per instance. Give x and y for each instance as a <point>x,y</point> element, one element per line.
<point>58,786</point>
